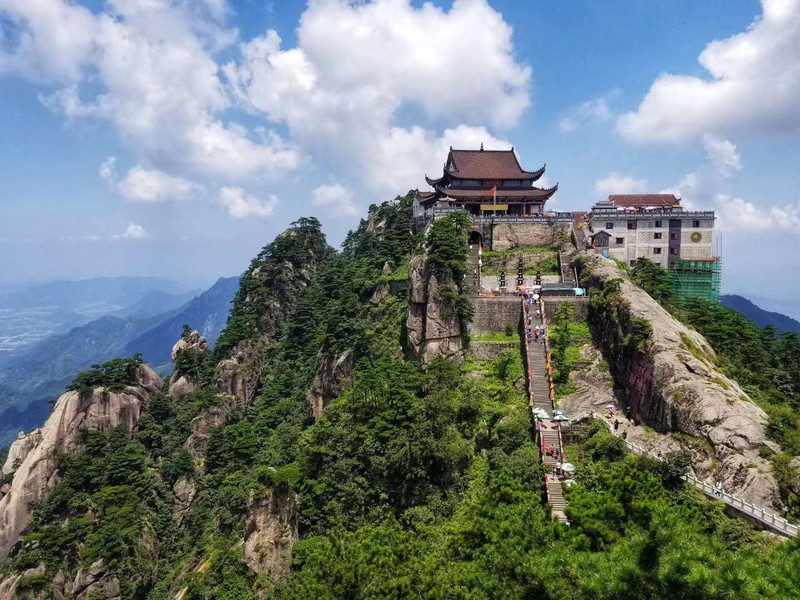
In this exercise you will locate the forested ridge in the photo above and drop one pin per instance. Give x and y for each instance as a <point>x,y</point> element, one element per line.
<point>412,484</point>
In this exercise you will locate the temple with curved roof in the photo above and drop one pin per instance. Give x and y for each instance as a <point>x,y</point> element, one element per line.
<point>468,178</point>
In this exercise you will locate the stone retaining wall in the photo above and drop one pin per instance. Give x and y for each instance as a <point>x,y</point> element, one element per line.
<point>493,314</point>
<point>511,235</point>
<point>579,303</point>
<point>491,350</point>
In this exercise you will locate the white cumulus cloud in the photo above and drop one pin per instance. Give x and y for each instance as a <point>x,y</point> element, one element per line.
<point>707,189</point>
<point>240,205</point>
<point>617,183</point>
<point>152,185</point>
<point>357,64</point>
<point>147,67</point>
<point>753,84</point>
<point>337,198</point>
<point>134,231</point>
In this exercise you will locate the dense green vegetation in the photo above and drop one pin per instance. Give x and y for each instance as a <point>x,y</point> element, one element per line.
<point>566,338</point>
<point>114,375</point>
<point>413,484</point>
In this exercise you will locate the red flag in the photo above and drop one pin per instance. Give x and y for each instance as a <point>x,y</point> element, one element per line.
<point>493,191</point>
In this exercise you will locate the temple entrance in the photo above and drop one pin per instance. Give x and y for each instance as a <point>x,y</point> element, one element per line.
<point>475,238</point>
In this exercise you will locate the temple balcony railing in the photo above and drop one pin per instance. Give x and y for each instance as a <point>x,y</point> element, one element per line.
<point>604,213</point>
<point>560,217</point>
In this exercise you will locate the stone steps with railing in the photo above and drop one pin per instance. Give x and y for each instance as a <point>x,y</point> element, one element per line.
<point>758,513</point>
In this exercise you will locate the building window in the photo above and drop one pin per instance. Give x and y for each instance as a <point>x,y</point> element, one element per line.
<point>673,236</point>
<point>657,236</point>
<point>609,226</point>
<point>658,224</point>
<point>695,223</point>
<point>656,250</point>
<point>673,250</point>
<point>620,240</point>
<point>631,224</point>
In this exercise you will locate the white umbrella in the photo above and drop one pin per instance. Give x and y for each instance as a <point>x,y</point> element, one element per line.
<point>536,296</point>
<point>560,418</point>
<point>568,467</point>
<point>558,411</point>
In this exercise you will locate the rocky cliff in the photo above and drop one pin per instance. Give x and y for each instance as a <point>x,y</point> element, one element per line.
<point>433,327</point>
<point>670,377</point>
<point>271,531</point>
<point>98,409</point>
<point>329,382</point>
<point>184,378</point>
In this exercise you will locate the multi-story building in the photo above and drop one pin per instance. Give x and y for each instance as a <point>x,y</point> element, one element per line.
<point>656,227</point>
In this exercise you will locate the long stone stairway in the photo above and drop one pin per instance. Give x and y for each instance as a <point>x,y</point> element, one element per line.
<point>549,435</point>
<point>474,268</point>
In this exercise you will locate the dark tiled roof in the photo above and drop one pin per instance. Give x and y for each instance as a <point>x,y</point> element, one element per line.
<point>488,164</point>
<point>643,200</point>
<point>520,194</point>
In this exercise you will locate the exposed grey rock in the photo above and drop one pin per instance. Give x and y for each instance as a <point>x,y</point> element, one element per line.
<point>433,328</point>
<point>20,449</point>
<point>329,382</point>
<point>238,375</point>
<point>271,531</point>
<point>194,341</point>
<point>183,384</point>
<point>99,409</point>
<point>87,576</point>
<point>673,384</point>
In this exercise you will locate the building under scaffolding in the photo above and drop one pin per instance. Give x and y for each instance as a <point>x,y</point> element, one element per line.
<point>697,278</point>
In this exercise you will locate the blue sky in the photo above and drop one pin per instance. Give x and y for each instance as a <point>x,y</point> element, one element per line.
<point>175,138</point>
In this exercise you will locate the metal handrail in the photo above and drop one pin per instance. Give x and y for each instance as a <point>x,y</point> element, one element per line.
<point>767,517</point>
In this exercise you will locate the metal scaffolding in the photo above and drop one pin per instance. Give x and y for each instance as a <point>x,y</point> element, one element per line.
<point>697,278</point>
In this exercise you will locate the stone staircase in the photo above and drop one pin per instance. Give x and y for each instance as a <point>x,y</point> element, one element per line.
<point>549,437</point>
<point>474,269</point>
<point>579,235</point>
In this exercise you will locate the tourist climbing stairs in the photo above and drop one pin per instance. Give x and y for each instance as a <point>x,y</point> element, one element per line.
<point>568,276</point>
<point>579,234</point>
<point>541,397</point>
<point>474,268</point>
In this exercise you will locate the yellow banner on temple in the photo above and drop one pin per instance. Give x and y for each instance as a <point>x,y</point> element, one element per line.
<point>494,206</point>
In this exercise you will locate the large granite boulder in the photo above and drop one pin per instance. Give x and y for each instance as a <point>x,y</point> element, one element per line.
<point>673,382</point>
<point>99,409</point>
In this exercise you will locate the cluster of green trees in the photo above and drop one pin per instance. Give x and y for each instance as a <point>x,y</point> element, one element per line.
<point>566,338</point>
<point>114,375</point>
<point>413,484</point>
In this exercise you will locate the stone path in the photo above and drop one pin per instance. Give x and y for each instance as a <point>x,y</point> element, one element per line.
<point>548,433</point>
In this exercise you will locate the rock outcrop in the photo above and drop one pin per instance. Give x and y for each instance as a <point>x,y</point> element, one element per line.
<point>95,579</point>
<point>99,409</point>
<point>433,327</point>
<point>672,382</point>
<point>271,531</point>
<point>21,447</point>
<point>238,375</point>
<point>329,382</point>
<point>182,384</point>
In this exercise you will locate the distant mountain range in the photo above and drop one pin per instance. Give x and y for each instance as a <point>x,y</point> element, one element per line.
<point>760,316</point>
<point>207,313</point>
<point>32,314</point>
<point>150,325</point>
